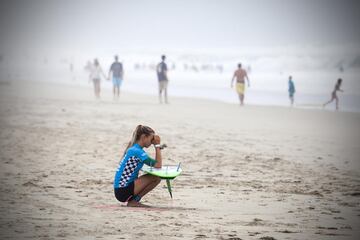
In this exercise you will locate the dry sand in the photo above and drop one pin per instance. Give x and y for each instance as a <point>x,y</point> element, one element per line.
<point>248,173</point>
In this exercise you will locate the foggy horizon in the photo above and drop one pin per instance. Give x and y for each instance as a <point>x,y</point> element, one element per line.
<point>85,25</point>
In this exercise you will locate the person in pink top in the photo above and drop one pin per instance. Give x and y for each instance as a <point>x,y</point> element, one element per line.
<point>96,73</point>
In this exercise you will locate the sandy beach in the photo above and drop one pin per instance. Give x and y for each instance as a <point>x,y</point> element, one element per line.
<point>248,172</point>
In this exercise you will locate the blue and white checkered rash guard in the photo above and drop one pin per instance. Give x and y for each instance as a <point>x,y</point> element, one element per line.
<point>130,165</point>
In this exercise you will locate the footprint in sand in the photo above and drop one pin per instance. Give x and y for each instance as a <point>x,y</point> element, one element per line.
<point>286,231</point>
<point>253,233</point>
<point>256,222</point>
<point>197,236</point>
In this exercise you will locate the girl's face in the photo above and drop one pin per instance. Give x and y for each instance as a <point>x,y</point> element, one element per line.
<point>147,140</point>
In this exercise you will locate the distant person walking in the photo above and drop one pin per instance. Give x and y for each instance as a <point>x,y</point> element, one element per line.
<point>95,75</point>
<point>117,76</point>
<point>291,90</point>
<point>240,75</point>
<point>161,70</point>
<point>334,95</point>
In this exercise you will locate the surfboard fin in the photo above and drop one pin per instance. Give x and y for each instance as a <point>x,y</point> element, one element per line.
<point>169,187</point>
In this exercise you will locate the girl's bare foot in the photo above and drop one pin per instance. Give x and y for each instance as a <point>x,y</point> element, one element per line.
<point>136,204</point>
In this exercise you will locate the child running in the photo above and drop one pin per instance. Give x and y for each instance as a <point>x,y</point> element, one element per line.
<point>334,95</point>
<point>128,187</point>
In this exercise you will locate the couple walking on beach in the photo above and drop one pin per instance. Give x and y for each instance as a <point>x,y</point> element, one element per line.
<point>117,76</point>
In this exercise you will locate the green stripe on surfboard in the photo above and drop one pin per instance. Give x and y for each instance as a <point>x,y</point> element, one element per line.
<point>166,172</point>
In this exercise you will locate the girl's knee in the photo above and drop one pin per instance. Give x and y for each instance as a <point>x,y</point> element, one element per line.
<point>157,180</point>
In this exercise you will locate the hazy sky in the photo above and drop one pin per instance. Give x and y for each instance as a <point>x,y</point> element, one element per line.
<point>177,24</point>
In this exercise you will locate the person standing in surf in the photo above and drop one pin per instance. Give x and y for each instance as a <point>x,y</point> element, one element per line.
<point>128,187</point>
<point>334,95</point>
<point>240,75</point>
<point>291,90</point>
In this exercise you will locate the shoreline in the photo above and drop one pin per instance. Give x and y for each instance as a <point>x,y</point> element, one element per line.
<point>304,106</point>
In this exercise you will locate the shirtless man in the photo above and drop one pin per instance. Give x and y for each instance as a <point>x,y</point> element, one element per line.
<point>240,75</point>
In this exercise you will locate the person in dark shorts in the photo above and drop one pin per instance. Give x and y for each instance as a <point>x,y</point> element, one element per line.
<point>128,186</point>
<point>161,70</point>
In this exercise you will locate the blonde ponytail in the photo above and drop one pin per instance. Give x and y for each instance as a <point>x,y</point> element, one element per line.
<point>139,130</point>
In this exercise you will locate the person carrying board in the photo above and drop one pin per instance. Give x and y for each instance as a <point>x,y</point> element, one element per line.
<point>128,187</point>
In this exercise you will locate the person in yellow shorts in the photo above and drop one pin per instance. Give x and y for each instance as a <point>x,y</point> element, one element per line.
<point>240,88</point>
<point>240,75</point>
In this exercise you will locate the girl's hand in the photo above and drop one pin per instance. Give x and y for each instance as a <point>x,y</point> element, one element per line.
<point>156,139</point>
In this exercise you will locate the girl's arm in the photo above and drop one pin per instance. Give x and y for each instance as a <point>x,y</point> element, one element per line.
<point>158,158</point>
<point>157,162</point>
